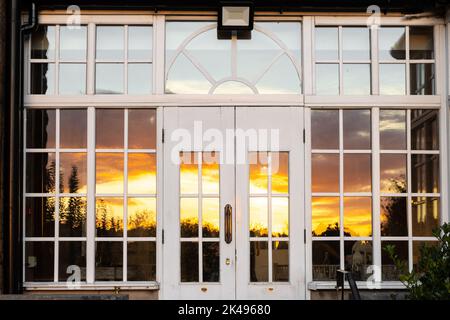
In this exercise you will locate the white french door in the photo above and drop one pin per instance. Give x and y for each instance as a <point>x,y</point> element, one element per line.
<point>233,203</point>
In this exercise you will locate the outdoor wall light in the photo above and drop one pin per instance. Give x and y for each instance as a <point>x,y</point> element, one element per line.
<point>235,18</point>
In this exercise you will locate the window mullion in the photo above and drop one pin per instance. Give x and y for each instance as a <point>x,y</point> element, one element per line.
<point>90,67</point>
<point>159,55</point>
<point>90,233</point>
<point>375,61</point>
<point>376,232</point>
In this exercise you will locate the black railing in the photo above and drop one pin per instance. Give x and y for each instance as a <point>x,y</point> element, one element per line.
<point>341,277</point>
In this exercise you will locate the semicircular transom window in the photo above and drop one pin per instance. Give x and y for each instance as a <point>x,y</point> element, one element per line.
<point>198,63</point>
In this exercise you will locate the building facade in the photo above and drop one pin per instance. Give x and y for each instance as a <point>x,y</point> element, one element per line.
<point>145,153</point>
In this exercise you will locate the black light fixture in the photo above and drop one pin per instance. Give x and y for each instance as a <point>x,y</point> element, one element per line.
<point>235,18</point>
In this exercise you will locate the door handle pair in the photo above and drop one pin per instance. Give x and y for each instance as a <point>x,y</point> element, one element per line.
<point>228,221</point>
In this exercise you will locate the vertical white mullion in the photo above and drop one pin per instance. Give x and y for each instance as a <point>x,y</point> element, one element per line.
<point>90,65</point>
<point>159,196</point>
<point>125,66</point>
<point>125,197</point>
<point>57,61</point>
<point>376,253</point>
<point>269,212</point>
<point>341,67</point>
<point>408,187</point>
<point>234,56</point>
<point>57,183</point>
<point>341,188</point>
<point>308,200</point>
<point>200,213</point>
<point>375,61</point>
<point>307,54</point>
<point>159,54</point>
<point>90,232</point>
<point>408,81</point>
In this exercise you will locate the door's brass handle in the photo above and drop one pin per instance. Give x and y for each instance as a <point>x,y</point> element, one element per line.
<point>228,223</point>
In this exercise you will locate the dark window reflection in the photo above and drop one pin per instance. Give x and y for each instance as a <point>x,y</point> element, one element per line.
<point>211,261</point>
<point>43,43</point>
<point>393,216</point>
<point>280,261</point>
<point>73,134</point>
<point>424,129</point>
<point>141,261</point>
<point>325,259</point>
<point>259,261</point>
<point>109,261</point>
<point>40,217</point>
<point>325,172</point>
<point>422,78</point>
<point>388,268</point>
<point>72,216</point>
<point>357,124</point>
<point>109,128</point>
<point>325,129</point>
<point>393,173</point>
<point>425,216</point>
<point>393,129</point>
<point>72,260</point>
<point>40,172</point>
<point>42,79</point>
<point>41,128</point>
<point>189,262</point>
<point>39,263</point>
<point>358,258</point>
<point>421,44</point>
<point>425,173</point>
<point>418,246</point>
<point>142,129</point>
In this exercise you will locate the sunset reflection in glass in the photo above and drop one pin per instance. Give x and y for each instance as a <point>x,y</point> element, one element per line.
<point>141,173</point>
<point>109,217</point>
<point>141,217</point>
<point>358,216</point>
<point>325,216</point>
<point>109,173</point>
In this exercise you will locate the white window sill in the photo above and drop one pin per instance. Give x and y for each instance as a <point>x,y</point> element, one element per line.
<point>98,286</point>
<point>362,285</point>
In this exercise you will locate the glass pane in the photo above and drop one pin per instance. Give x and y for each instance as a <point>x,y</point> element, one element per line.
<point>393,173</point>
<point>109,173</point>
<point>40,217</point>
<point>72,216</point>
<point>287,32</point>
<point>141,258</point>
<point>417,248</point>
<point>142,129</point>
<point>358,216</point>
<point>73,134</point>
<point>40,172</point>
<point>281,78</point>
<point>210,217</point>
<point>393,216</point>
<point>210,173</point>
<point>189,217</point>
<point>259,261</point>
<point>109,129</point>
<point>73,172</point>
<point>424,129</point>
<point>280,217</point>
<point>325,129</point>
<point>393,129</point>
<point>421,44</point>
<point>72,43</point>
<point>392,43</point>
<point>109,78</point>
<point>211,261</point>
<point>280,261</point>
<point>142,173</point>
<point>72,261</point>
<point>189,262</point>
<point>188,173</point>
<point>325,217</point>
<point>39,261</point>
<point>109,261</point>
<point>355,44</point>
<point>356,79</point>
<point>141,217</point>
<point>110,43</point>
<point>388,269</point>
<point>392,79</point>
<point>327,79</point>
<point>357,173</point>
<point>325,172</point>
<point>358,259</point>
<point>177,32</point>
<point>42,78</point>
<point>280,172</point>
<point>325,259</point>
<point>425,216</point>
<point>422,77</point>
<point>41,128</point>
<point>258,172</point>
<point>109,217</point>
<point>258,219</point>
<point>140,43</point>
<point>233,87</point>
<point>72,79</point>
<point>357,125</point>
<point>425,173</point>
<point>326,42</point>
<point>140,78</point>
<point>43,43</point>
